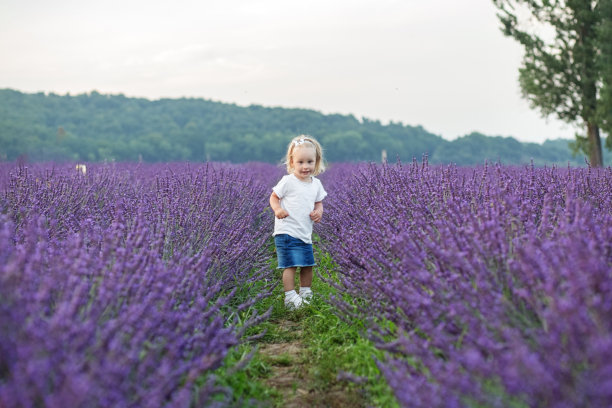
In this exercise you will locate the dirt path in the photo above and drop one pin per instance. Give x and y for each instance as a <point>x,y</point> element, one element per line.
<point>293,373</point>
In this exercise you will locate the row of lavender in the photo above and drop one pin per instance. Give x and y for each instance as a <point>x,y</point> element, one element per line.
<point>117,281</point>
<point>489,286</point>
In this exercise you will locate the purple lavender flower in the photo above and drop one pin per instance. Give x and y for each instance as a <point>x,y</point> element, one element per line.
<point>486,286</point>
<point>117,284</point>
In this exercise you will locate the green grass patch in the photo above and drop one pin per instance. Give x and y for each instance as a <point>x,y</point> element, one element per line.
<point>336,346</point>
<point>331,347</point>
<point>282,360</point>
<point>246,385</point>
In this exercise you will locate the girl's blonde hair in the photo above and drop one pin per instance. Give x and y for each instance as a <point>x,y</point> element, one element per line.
<point>304,140</point>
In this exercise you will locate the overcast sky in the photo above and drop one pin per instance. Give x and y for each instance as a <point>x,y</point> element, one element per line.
<point>441,64</point>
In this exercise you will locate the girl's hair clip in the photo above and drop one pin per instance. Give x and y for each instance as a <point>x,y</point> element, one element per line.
<point>298,142</point>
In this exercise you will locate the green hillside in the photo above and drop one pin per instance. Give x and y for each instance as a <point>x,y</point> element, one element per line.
<point>97,127</point>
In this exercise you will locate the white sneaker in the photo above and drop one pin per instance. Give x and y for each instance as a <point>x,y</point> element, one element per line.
<point>293,301</point>
<point>306,295</point>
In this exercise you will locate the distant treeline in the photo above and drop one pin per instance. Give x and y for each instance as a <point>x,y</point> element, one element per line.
<point>96,127</point>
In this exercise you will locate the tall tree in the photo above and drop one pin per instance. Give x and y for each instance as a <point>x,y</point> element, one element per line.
<point>566,69</point>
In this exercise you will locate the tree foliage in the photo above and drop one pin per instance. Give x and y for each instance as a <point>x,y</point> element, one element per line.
<point>96,127</point>
<point>567,65</point>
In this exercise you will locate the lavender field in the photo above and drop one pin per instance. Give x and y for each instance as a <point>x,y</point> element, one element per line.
<point>117,285</point>
<point>488,287</point>
<point>128,285</point>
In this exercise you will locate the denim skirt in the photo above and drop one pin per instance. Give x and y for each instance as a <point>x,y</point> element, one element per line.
<point>293,252</point>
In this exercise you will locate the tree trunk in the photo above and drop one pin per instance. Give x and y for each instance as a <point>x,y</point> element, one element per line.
<point>595,156</point>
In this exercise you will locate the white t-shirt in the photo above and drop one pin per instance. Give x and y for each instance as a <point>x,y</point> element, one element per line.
<point>298,198</point>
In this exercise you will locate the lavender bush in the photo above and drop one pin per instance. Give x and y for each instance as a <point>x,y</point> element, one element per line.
<point>117,284</point>
<point>488,286</point>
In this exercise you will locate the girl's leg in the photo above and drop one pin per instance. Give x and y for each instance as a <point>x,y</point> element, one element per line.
<point>306,276</point>
<point>289,279</point>
<point>292,299</point>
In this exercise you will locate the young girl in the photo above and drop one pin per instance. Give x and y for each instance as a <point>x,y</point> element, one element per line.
<point>296,202</point>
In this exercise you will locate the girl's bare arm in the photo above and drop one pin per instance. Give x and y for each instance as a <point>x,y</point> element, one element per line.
<point>317,213</point>
<point>279,211</point>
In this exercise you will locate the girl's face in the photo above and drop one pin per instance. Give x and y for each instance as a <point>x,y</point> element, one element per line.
<point>303,162</point>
